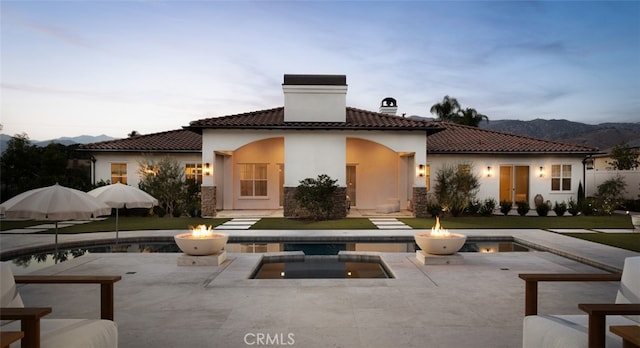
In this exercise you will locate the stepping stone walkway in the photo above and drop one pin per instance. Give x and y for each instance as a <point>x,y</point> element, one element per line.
<point>389,224</point>
<point>237,224</point>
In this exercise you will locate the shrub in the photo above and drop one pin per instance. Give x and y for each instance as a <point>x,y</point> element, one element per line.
<point>560,208</point>
<point>542,209</point>
<point>505,207</point>
<point>473,207</point>
<point>455,187</point>
<point>523,208</point>
<point>316,196</point>
<point>609,195</point>
<point>572,207</point>
<point>487,207</point>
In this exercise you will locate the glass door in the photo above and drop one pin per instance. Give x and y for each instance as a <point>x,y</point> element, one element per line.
<point>514,183</point>
<point>351,183</point>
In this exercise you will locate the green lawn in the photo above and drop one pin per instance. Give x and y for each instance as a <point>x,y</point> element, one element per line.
<point>630,241</point>
<point>125,224</point>
<point>586,222</point>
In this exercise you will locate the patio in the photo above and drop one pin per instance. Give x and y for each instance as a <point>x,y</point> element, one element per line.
<point>478,304</point>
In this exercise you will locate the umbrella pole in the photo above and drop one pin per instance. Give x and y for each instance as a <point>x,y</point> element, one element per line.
<point>117,210</point>
<point>55,257</point>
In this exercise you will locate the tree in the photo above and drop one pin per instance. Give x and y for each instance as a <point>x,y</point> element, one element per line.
<point>471,117</point>
<point>624,157</point>
<point>455,187</point>
<point>447,110</point>
<point>19,166</point>
<point>134,133</point>
<point>164,180</point>
<point>316,196</point>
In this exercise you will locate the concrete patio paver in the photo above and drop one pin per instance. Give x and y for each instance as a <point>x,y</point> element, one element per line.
<point>477,304</point>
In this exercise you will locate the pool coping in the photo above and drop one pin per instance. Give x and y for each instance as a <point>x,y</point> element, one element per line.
<point>598,255</point>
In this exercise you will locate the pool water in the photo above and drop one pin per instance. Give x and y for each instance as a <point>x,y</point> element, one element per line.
<point>320,267</point>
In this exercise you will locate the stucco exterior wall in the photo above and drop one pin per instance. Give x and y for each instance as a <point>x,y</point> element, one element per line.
<point>385,162</point>
<point>490,185</point>
<point>103,163</point>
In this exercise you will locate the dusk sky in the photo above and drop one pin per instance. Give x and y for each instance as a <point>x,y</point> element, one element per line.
<point>84,67</point>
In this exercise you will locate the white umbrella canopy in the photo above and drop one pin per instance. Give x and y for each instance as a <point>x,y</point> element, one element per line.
<point>54,203</point>
<point>123,196</point>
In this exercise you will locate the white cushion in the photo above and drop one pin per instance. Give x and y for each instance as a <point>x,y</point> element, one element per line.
<point>566,331</point>
<point>9,296</point>
<point>629,291</point>
<point>73,333</point>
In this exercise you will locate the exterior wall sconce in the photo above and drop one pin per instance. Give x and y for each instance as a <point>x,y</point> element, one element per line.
<point>488,171</point>
<point>421,170</point>
<point>588,162</point>
<point>541,172</point>
<point>207,169</point>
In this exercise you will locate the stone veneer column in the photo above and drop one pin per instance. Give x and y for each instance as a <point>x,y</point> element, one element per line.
<point>208,200</point>
<point>291,209</point>
<point>420,206</point>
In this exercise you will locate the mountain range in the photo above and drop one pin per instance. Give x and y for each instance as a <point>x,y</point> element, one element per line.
<point>82,139</point>
<point>602,136</point>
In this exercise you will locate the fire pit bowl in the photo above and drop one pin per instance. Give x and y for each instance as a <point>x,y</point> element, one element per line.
<point>201,241</point>
<point>436,245</point>
<point>440,241</point>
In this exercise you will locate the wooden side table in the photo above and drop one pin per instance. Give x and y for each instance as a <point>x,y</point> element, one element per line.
<point>9,337</point>
<point>630,335</point>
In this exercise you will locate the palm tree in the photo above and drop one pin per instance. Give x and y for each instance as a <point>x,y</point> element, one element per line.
<point>471,117</point>
<point>447,110</point>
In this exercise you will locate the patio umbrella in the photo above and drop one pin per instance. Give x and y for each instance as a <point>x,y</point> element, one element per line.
<point>123,196</point>
<point>54,203</point>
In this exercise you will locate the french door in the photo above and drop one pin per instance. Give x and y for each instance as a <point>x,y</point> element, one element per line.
<point>514,183</point>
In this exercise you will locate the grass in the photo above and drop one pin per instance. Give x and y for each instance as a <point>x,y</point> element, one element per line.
<point>297,224</point>
<point>629,241</point>
<point>546,222</point>
<point>125,224</point>
<point>496,222</point>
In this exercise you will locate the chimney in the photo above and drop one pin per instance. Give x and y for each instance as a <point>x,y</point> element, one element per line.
<point>315,98</point>
<point>388,106</point>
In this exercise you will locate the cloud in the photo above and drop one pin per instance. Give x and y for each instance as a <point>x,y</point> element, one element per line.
<point>58,33</point>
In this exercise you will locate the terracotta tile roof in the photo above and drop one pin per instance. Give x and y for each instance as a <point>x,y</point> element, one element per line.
<point>461,139</point>
<point>355,119</point>
<point>181,140</point>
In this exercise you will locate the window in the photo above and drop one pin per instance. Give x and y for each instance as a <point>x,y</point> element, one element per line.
<point>253,180</point>
<point>193,171</point>
<point>560,177</point>
<point>119,173</point>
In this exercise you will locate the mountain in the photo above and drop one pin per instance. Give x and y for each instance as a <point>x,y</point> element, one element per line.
<point>82,139</point>
<point>603,136</point>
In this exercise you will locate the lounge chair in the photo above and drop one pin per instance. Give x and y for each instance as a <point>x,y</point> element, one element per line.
<point>591,330</point>
<point>65,333</point>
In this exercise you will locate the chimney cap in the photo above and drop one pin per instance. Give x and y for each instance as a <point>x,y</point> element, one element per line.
<point>315,80</point>
<point>389,102</point>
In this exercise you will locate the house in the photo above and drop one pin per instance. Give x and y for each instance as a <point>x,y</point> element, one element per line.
<point>119,160</point>
<point>511,167</point>
<point>381,161</point>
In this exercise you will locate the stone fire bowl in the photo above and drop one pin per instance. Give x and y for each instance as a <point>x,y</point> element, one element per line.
<point>440,245</point>
<point>201,245</point>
